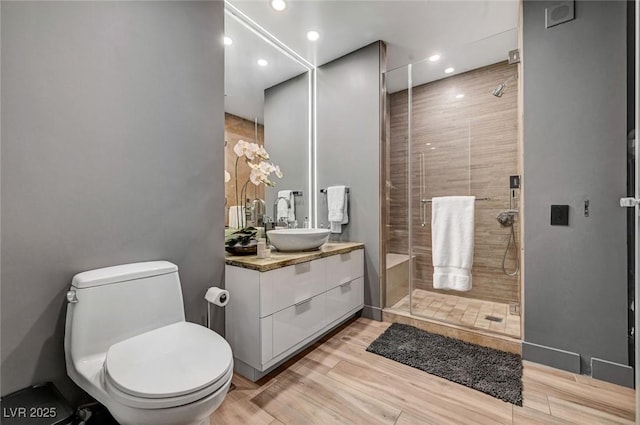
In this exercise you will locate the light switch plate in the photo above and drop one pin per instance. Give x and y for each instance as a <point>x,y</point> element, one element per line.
<point>559,215</point>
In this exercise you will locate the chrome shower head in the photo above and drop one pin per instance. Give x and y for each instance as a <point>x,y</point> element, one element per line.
<point>498,91</point>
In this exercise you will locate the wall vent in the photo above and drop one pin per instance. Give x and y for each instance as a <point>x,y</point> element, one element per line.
<point>559,13</point>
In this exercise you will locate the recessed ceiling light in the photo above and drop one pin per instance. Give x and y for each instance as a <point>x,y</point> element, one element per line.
<point>313,35</point>
<point>278,5</point>
<point>262,62</point>
<point>432,147</point>
<point>434,58</point>
<point>459,96</point>
<point>228,41</point>
<point>449,70</point>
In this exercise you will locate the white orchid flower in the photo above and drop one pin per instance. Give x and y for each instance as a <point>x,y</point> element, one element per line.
<point>240,147</point>
<point>253,151</point>
<point>269,168</point>
<point>254,165</point>
<point>257,176</point>
<point>243,148</point>
<point>257,157</point>
<point>266,167</point>
<point>250,156</point>
<point>262,153</point>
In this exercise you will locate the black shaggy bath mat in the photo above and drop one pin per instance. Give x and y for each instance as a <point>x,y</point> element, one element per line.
<point>491,371</point>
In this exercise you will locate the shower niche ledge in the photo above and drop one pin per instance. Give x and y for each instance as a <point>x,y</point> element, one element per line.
<point>274,314</point>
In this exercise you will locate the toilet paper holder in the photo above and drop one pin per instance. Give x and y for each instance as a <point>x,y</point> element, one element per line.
<point>216,296</point>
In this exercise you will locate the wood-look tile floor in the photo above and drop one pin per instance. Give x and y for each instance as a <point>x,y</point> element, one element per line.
<point>337,382</point>
<point>462,311</point>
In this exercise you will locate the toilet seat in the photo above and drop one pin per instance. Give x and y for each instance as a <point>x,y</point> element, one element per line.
<point>169,366</point>
<point>162,403</point>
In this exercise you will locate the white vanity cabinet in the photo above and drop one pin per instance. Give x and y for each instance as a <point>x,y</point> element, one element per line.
<point>277,309</point>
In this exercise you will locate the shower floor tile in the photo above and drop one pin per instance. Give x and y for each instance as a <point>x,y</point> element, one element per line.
<point>462,311</point>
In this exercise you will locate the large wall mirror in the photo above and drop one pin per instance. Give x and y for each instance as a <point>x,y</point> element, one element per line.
<point>267,103</point>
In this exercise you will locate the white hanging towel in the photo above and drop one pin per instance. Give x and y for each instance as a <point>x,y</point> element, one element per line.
<point>236,212</point>
<point>285,209</point>
<point>452,229</point>
<point>338,203</point>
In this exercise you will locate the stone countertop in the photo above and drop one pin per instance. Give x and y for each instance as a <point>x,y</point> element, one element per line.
<point>284,259</point>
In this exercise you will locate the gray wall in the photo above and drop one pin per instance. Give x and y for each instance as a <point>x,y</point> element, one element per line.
<point>286,138</point>
<point>348,152</point>
<point>574,150</point>
<point>112,153</point>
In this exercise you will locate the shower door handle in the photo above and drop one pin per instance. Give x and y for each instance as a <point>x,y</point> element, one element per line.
<point>629,202</point>
<point>423,210</point>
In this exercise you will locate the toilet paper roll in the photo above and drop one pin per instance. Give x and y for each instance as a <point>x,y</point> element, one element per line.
<point>217,296</point>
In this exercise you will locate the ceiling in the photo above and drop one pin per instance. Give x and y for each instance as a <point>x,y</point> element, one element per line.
<point>466,34</point>
<point>244,79</point>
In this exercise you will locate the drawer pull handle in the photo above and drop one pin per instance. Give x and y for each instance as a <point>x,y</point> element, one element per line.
<point>345,284</point>
<point>298,304</point>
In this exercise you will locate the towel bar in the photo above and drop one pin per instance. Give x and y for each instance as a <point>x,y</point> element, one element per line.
<point>325,190</point>
<point>423,208</point>
<point>428,201</point>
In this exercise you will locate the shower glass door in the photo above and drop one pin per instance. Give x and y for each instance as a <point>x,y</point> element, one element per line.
<point>439,165</point>
<point>452,137</point>
<point>396,196</point>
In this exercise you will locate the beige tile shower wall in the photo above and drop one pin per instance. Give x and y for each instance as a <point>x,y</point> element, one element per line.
<point>236,129</point>
<point>468,146</point>
<point>397,217</point>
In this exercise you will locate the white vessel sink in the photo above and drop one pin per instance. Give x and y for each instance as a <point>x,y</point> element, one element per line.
<point>298,239</point>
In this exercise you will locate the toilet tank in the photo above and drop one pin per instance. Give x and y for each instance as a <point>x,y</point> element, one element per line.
<point>116,303</point>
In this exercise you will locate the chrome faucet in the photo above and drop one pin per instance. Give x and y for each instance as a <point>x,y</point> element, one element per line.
<point>258,210</point>
<point>276,219</point>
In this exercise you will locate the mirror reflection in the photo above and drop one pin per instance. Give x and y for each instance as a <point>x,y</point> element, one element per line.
<point>264,90</point>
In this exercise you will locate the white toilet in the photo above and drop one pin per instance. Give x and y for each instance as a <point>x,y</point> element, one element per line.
<point>127,344</point>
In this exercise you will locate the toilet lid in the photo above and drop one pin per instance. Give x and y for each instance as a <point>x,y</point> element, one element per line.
<point>174,360</point>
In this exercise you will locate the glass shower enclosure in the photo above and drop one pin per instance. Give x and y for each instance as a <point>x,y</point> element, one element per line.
<point>453,136</point>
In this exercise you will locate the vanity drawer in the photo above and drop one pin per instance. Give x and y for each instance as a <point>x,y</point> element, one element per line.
<point>294,324</point>
<point>289,285</point>
<point>284,287</point>
<point>344,298</point>
<point>344,268</point>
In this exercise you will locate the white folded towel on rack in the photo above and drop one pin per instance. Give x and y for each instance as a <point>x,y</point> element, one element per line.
<point>237,212</point>
<point>338,203</point>
<point>452,232</point>
<point>285,209</point>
